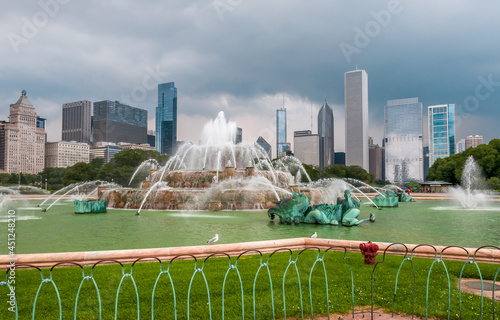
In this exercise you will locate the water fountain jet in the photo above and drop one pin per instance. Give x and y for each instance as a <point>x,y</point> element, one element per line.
<point>470,194</point>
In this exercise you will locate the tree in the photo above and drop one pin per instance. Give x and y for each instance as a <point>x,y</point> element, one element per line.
<point>123,165</point>
<point>79,172</point>
<point>97,164</point>
<point>414,186</point>
<point>493,183</point>
<point>312,171</point>
<point>450,169</point>
<point>338,171</point>
<point>54,177</point>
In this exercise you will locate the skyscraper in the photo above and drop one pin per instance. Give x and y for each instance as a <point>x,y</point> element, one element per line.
<point>473,141</point>
<point>76,121</point>
<point>22,141</point>
<point>377,159</point>
<point>238,138</point>
<point>325,133</point>
<point>404,158</point>
<point>281,144</point>
<point>166,118</point>
<point>356,118</point>
<point>307,147</point>
<point>117,122</point>
<point>441,131</point>
<point>265,145</point>
<point>460,146</point>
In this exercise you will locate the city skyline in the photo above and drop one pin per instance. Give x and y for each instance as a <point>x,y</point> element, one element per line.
<point>231,62</point>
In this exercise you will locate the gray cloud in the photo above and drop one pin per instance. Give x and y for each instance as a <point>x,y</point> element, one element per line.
<point>259,52</point>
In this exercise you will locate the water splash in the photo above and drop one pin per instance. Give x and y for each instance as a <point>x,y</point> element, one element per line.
<point>151,163</point>
<point>470,194</point>
<point>157,186</point>
<point>362,185</point>
<point>81,187</point>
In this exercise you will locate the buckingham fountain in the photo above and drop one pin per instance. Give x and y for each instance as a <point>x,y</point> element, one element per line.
<point>217,174</point>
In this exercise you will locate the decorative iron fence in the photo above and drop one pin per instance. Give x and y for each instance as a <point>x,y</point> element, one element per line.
<point>253,285</point>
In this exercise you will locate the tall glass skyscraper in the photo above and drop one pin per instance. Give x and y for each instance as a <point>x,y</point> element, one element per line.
<point>441,131</point>
<point>404,159</point>
<point>117,122</point>
<point>325,133</point>
<point>356,118</point>
<point>166,118</point>
<point>281,144</point>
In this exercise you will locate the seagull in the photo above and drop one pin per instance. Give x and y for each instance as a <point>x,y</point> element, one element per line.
<point>214,239</point>
<point>314,235</point>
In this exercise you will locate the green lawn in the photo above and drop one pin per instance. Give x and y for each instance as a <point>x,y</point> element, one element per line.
<point>108,277</point>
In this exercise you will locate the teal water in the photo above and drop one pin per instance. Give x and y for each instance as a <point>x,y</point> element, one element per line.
<point>60,230</point>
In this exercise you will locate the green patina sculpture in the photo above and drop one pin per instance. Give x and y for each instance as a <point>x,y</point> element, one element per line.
<point>297,210</point>
<point>391,199</point>
<point>388,199</point>
<point>90,206</point>
<point>404,197</point>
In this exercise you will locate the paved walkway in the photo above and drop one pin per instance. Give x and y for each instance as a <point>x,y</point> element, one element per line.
<point>365,314</point>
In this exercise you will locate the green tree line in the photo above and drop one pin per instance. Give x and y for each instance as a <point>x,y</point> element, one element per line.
<point>487,156</point>
<point>119,170</point>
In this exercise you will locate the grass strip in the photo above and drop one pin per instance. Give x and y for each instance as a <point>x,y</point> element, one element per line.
<point>108,278</point>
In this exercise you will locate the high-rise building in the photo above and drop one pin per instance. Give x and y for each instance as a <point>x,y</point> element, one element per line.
<point>404,159</point>
<point>473,141</point>
<point>152,138</point>
<point>325,133</point>
<point>426,161</point>
<point>281,144</point>
<point>377,160</point>
<point>460,147</point>
<point>104,150</point>
<point>63,154</point>
<point>22,140</point>
<point>356,118</point>
<point>42,123</point>
<point>307,147</point>
<point>117,122</point>
<point>238,138</point>
<point>76,121</point>
<point>141,146</point>
<point>265,145</point>
<point>166,118</point>
<point>441,131</point>
<point>340,158</point>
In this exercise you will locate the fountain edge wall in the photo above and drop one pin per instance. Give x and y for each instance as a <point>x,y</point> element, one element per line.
<point>233,249</point>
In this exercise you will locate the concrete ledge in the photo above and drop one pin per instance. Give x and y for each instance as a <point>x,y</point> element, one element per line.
<point>487,255</point>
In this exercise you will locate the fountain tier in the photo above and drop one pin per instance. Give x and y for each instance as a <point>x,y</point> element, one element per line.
<point>216,174</point>
<point>229,189</point>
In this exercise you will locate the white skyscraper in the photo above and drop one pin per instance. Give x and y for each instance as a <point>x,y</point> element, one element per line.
<point>404,158</point>
<point>356,118</point>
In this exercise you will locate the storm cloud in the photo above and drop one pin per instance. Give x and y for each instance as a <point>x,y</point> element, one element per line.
<point>247,58</point>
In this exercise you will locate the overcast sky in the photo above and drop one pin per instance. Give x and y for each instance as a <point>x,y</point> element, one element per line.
<point>245,57</point>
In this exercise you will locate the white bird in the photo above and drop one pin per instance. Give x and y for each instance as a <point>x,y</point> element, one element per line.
<point>214,239</point>
<point>314,235</point>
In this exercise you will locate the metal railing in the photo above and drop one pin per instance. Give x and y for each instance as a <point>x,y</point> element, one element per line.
<point>291,281</point>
